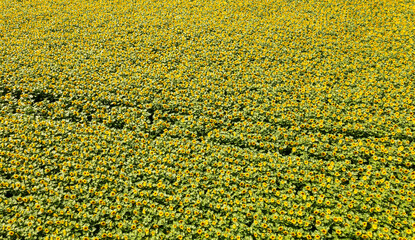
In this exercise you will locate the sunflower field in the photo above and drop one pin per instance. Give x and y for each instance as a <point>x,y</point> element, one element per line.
<point>224,119</point>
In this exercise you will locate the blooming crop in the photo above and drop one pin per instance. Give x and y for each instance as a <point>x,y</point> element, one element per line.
<point>237,119</point>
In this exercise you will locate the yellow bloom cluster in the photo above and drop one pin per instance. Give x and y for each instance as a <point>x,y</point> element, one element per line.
<point>225,119</point>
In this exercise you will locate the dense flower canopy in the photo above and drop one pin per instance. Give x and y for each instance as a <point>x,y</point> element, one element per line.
<point>225,119</point>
